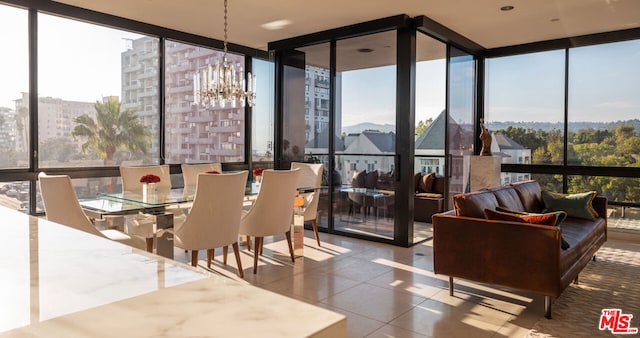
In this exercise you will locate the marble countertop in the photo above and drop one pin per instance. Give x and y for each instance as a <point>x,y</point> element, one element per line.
<point>59,282</point>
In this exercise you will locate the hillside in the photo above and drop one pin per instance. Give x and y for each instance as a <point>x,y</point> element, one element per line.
<point>573,126</point>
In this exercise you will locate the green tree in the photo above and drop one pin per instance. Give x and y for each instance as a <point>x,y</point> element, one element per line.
<point>423,125</point>
<point>59,149</point>
<point>112,130</point>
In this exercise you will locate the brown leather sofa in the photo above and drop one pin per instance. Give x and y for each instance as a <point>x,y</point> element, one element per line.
<point>521,256</point>
<point>429,196</point>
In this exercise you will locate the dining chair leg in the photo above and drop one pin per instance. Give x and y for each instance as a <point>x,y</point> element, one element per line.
<point>194,257</point>
<point>248,242</point>
<point>314,225</point>
<point>224,254</point>
<point>256,251</point>
<point>293,257</point>
<point>210,254</point>
<point>236,252</point>
<point>149,242</point>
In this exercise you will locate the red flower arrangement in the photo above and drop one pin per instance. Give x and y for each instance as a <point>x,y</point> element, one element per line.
<point>149,178</point>
<point>212,172</point>
<point>258,171</point>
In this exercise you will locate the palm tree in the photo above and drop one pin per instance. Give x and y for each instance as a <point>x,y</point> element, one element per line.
<point>112,130</point>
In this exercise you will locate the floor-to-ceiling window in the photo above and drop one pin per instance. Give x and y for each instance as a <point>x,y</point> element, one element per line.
<point>100,105</point>
<point>262,124</point>
<point>430,111</point>
<point>461,120</point>
<point>569,119</point>
<point>524,111</point>
<point>200,132</point>
<point>14,117</point>
<point>98,99</point>
<point>604,117</point>
<point>97,95</point>
<point>317,107</point>
<point>366,71</point>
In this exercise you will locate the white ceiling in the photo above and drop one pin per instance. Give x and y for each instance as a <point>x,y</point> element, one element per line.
<point>481,21</point>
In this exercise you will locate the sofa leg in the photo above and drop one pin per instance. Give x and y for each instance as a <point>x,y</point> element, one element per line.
<point>450,286</point>
<point>594,258</point>
<point>576,281</point>
<point>547,307</point>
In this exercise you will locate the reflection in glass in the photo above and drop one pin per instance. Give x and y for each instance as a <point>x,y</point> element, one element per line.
<point>460,123</point>
<point>197,133</point>
<point>98,88</point>
<point>316,118</point>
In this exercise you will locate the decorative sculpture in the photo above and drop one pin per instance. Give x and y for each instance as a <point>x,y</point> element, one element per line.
<point>485,137</point>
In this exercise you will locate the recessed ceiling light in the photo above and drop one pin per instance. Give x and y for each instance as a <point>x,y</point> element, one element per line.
<point>506,8</point>
<point>365,50</point>
<point>275,25</point>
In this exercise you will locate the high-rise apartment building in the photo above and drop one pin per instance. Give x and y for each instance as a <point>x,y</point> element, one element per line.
<point>194,133</point>
<point>140,85</point>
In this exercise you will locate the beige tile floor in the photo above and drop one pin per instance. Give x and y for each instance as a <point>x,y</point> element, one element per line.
<point>388,291</point>
<point>384,290</point>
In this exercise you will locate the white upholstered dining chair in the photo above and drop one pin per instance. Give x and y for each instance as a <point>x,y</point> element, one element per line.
<point>310,177</point>
<point>143,224</point>
<point>61,205</point>
<point>214,219</point>
<point>190,172</point>
<point>272,212</point>
<point>131,176</point>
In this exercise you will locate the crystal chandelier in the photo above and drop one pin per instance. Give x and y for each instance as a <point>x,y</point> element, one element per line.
<point>224,82</point>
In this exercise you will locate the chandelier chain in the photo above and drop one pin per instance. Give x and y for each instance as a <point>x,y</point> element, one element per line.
<point>225,26</point>
<point>225,81</point>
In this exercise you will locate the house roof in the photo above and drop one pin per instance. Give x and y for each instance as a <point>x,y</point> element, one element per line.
<point>506,143</point>
<point>433,137</point>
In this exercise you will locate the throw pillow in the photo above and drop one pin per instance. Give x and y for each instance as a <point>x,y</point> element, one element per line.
<point>416,181</point>
<point>575,205</point>
<point>426,183</point>
<point>560,216</point>
<point>544,219</point>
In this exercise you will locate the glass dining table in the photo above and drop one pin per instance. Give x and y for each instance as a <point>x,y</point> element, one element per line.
<point>149,214</point>
<point>153,213</point>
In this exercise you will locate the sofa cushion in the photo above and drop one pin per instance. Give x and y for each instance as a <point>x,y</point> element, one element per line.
<point>581,234</point>
<point>529,192</point>
<point>416,181</point>
<point>576,205</point>
<point>428,195</point>
<point>473,204</point>
<point>508,197</point>
<point>560,217</point>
